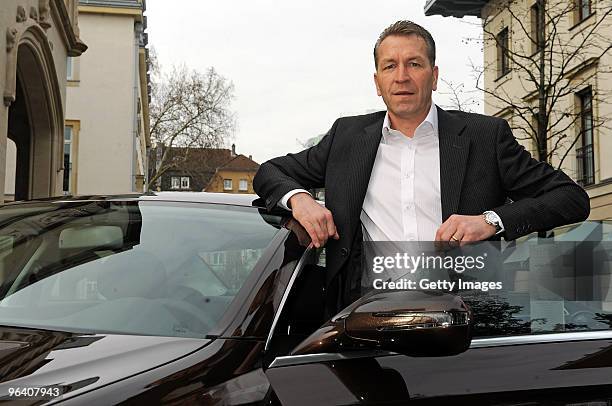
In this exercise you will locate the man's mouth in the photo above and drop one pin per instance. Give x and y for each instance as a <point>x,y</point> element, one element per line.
<point>403,93</point>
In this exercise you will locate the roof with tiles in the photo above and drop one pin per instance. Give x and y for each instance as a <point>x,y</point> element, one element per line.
<point>240,163</point>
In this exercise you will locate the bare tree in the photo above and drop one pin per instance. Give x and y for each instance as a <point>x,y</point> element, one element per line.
<point>460,99</point>
<point>554,61</point>
<point>189,109</point>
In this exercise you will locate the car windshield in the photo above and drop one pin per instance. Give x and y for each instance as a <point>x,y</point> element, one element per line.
<point>129,267</point>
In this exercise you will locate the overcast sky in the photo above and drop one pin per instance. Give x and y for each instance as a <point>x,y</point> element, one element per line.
<point>297,66</point>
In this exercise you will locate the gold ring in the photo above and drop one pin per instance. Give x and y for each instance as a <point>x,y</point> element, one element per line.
<point>453,238</point>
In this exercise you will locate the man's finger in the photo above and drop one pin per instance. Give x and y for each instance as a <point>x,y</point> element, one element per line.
<point>457,237</point>
<point>331,227</point>
<point>321,228</point>
<point>450,230</point>
<point>312,233</point>
<point>440,234</point>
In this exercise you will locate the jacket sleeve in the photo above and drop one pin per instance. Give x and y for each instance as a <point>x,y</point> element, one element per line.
<point>304,170</point>
<point>543,198</point>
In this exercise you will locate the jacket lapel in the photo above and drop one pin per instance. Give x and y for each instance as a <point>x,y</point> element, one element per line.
<point>359,168</point>
<point>454,151</point>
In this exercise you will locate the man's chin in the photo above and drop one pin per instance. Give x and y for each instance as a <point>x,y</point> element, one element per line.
<point>406,113</point>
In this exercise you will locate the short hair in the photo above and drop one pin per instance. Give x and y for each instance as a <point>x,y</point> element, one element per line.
<point>406,28</point>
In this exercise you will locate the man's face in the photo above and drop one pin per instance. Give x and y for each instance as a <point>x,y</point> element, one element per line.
<point>404,77</point>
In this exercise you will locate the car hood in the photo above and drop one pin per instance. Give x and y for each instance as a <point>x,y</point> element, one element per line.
<point>81,362</point>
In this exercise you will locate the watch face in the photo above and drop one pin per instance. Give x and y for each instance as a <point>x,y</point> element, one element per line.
<point>491,219</point>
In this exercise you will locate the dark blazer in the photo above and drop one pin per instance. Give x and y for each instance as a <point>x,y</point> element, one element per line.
<point>482,167</point>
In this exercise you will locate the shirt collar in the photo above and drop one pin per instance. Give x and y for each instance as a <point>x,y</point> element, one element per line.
<point>430,122</point>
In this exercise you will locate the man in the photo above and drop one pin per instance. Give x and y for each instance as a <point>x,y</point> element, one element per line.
<point>415,172</point>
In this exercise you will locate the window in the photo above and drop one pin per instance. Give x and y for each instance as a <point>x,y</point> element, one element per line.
<point>227,184</point>
<point>67,158</point>
<point>218,258</point>
<point>179,182</point>
<point>243,185</point>
<point>584,9</point>
<point>184,182</point>
<point>71,143</point>
<point>537,29</point>
<point>530,286</point>
<point>584,153</point>
<point>503,59</point>
<point>69,68</point>
<point>550,285</point>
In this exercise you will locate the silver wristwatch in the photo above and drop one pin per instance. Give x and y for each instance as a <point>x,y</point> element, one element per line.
<point>490,217</point>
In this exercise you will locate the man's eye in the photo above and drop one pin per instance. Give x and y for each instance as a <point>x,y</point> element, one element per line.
<point>388,67</point>
<point>415,64</point>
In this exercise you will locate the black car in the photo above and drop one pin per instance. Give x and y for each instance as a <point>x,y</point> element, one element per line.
<point>199,298</point>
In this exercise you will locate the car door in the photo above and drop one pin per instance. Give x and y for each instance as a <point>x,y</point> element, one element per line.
<point>496,372</point>
<point>545,339</point>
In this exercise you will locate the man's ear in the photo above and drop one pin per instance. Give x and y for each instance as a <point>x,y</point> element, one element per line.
<point>376,83</point>
<point>435,78</point>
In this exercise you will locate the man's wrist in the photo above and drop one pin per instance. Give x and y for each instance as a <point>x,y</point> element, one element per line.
<point>300,196</point>
<point>284,201</point>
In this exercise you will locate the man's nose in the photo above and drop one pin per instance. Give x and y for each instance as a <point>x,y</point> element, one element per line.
<point>402,74</point>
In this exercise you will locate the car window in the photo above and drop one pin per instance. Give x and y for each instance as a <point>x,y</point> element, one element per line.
<point>559,283</point>
<point>151,268</point>
<point>550,285</point>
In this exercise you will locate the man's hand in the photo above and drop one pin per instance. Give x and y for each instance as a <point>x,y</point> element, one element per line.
<point>316,219</point>
<point>460,228</point>
<point>299,231</point>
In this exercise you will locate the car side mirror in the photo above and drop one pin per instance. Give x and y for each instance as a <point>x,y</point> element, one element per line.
<point>415,323</point>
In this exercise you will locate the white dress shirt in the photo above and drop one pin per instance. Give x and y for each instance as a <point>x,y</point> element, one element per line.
<point>403,202</point>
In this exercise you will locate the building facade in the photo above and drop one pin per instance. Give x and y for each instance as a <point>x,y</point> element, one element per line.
<point>217,170</point>
<point>37,38</point>
<point>235,176</point>
<point>553,56</point>
<point>107,120</point>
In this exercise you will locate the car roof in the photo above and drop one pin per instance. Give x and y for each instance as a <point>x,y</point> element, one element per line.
<point>204,197</point>
<point>242,199</point>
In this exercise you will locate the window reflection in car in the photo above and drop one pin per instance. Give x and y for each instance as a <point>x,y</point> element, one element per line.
<point>128,267</point>
<point>562,283</point>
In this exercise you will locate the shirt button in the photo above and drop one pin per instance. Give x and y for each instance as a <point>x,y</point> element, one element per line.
<point>344,252</point>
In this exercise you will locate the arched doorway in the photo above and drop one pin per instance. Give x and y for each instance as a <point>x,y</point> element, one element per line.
<point>20,132</point>
<point>35,119</point>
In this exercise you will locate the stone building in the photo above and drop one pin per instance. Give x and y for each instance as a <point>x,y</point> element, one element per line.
<point>37,38</point>
<point>573,34</point>
<point>107,117</point>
